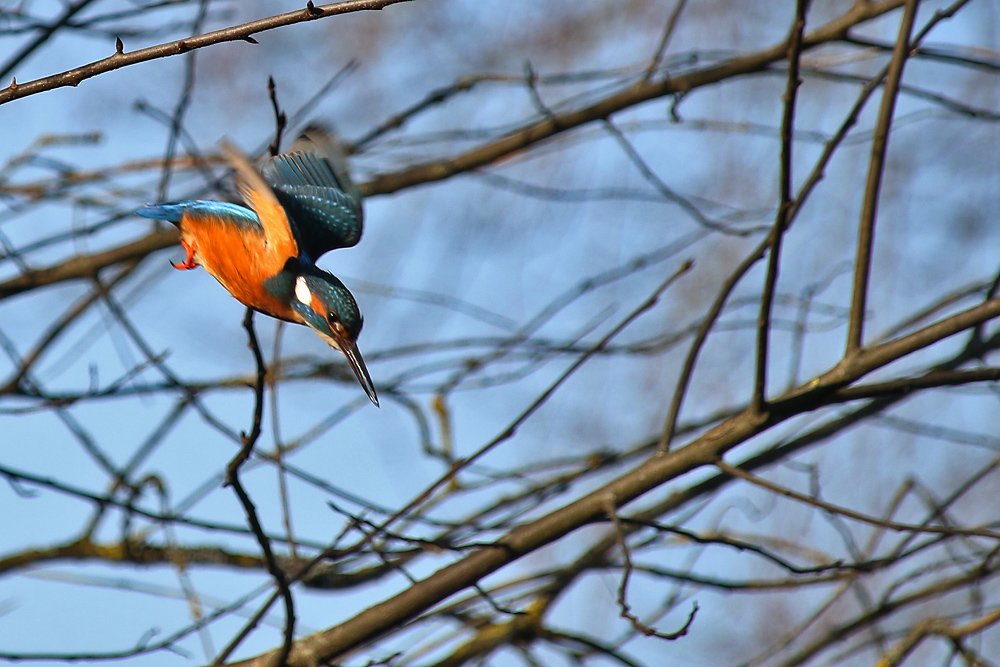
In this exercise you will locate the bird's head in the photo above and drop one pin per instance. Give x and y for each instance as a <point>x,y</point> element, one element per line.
<point>326,306</point>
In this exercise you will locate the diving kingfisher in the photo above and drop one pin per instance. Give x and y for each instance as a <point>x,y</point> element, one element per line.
<point>300,205</point>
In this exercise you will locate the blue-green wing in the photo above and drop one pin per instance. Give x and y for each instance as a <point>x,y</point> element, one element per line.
<point>313,185</point>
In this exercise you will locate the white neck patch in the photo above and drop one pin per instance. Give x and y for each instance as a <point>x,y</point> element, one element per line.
<point>302,292</point>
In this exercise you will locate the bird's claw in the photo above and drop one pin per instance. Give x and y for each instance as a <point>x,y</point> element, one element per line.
<point>189,262</point>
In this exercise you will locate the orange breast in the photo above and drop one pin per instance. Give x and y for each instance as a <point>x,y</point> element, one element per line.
<point>240,258</point>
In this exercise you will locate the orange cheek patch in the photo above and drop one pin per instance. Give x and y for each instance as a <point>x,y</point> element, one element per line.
<point>317,305</point>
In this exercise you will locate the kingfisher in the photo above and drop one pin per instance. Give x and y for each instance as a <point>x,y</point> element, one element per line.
<point>300,205</point>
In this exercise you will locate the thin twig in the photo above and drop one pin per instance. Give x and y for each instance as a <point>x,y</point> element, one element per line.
<point>44,35</point>
<point>783,217</point>
<point>666,191</point>
<point>687,370</point>
<point>623,605</point>
<point>280,117</point>
<point>851,514</point>
<point>668,31</point>
<point>232,479</point>
<point>876,170</point>
<point>243,32</point>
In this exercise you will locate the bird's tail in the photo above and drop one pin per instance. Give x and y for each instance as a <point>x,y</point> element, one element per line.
<point>169,212</point>
<point>234,213</point>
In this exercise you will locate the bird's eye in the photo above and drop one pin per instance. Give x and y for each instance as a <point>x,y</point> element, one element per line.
<point>332,318</point>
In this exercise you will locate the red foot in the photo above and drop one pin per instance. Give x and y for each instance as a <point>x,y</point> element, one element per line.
<point>188,263</point>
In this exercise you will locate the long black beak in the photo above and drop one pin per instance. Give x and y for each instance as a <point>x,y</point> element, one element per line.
<point>350,350</point>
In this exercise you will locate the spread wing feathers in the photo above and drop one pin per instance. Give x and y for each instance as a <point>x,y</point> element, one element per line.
<point>325,163</point>
<point>312,182</point>
<point>262,199</point>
